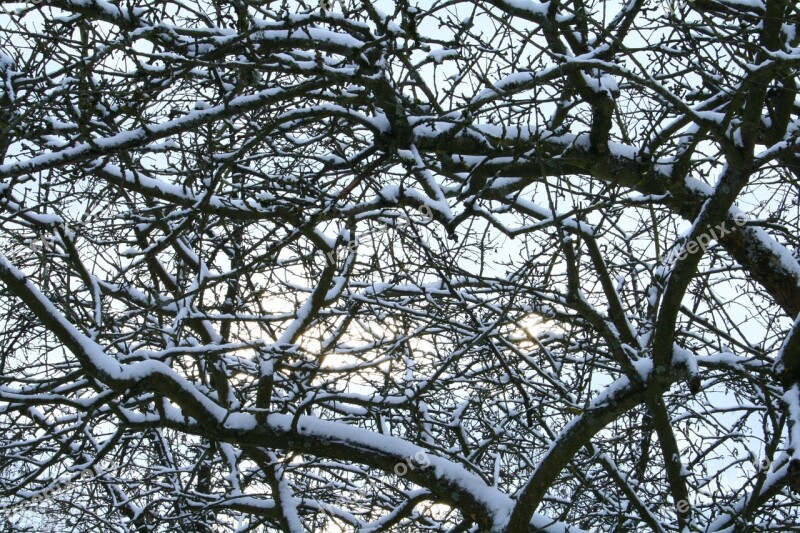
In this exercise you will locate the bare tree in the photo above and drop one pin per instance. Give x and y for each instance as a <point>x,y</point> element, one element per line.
<point>372,266</point>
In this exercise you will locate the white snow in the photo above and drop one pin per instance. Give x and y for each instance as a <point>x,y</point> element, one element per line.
<point>437,56</point>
